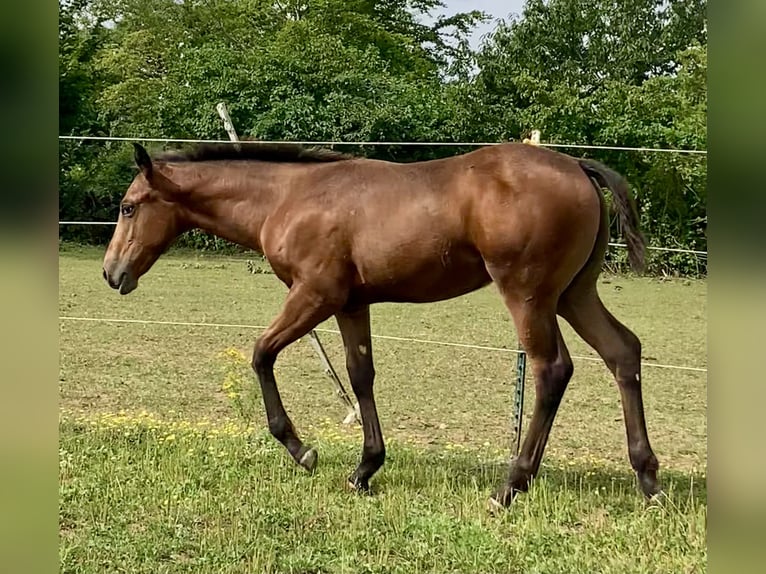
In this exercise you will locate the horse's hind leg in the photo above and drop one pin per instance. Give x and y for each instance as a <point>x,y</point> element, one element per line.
<point>621,350</point>
<point>552,368</point>
<point>303,310</point>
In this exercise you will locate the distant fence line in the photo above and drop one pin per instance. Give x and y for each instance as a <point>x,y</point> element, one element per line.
<point>377,143</point>
<point>335,332</point>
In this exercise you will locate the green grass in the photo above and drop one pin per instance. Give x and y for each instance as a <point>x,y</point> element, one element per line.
<point>230,501</point>
<point>227,500</point>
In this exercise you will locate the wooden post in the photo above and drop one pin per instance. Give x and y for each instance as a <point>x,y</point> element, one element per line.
<point>227,123</point>
<point>340,391</point>
<point>534,139</point>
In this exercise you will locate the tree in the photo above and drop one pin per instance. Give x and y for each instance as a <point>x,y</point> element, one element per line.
<point>604,72</point>
<point>611,73</point>
<point>82,35</point>
<point>291,69</point>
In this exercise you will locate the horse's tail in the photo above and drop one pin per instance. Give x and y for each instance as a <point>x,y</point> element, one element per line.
<point>625,207</point>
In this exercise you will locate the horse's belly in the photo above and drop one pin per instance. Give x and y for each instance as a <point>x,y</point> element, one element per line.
<point>417,279</point>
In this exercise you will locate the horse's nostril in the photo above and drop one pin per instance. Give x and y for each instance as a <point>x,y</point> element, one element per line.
<point>110,280</point>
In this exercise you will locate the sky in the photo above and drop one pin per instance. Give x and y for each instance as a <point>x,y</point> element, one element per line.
<point>495,8</point>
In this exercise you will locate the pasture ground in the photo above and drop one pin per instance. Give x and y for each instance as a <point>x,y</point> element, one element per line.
<point>165,465</point>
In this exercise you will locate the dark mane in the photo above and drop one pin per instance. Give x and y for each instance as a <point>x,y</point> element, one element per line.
<point>253,151</point>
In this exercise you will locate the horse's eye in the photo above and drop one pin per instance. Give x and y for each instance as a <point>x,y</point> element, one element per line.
<point>127,209</point>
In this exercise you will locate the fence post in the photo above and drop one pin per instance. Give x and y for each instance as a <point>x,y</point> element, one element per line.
<point>340,391</point>
<point>534,139</point>
<point>227,123</point>
<point>353,408</point>
<point>518,402</point>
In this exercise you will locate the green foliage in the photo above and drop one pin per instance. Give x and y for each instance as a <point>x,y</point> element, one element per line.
<point>581,71</point>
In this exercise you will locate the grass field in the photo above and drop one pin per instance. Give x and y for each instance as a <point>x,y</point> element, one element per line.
<point>166,467</point>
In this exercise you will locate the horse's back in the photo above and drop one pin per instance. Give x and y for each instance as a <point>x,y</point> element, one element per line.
<point>431,230</point>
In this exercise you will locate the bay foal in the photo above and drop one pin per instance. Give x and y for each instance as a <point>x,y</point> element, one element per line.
<point>343,233</point>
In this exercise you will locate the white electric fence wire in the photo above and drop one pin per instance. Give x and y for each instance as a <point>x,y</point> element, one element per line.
<point>376,143</point>
<point>333,331</point>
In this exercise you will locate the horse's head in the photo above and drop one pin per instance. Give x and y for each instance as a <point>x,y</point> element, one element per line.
<point>150,219</point>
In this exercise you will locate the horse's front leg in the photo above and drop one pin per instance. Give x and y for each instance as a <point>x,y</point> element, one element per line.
<point>304,308</point>
<point>355,330</point>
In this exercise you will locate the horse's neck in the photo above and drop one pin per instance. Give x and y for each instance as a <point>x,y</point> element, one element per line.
<point>234,206</point>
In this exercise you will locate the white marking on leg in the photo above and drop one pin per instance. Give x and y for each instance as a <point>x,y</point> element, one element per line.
<point>638,378</point>
<point>306,456</point>
<point>493,506</point>
<point>363,349</point>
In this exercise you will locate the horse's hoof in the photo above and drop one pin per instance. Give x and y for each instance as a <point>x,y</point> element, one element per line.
<point>308,460</point>
<point>358,485</point>
<point>494,507</point>
<point>648,483</point>
<point>501,499</point>
<point>657,498</point>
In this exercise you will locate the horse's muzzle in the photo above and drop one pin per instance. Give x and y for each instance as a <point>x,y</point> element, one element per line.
<point>123,281</point>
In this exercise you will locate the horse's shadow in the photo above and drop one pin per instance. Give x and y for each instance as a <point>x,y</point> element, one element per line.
<point>466,473</point>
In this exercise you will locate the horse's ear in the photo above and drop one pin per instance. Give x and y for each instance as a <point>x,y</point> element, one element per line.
<point>143,161</point>
<point>168,190</point>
